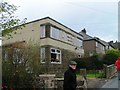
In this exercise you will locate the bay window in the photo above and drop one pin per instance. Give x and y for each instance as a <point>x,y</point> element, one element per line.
<point>42,31</point>
<point>42,55</point>
<point>55,33</point>
<point>55,56</point>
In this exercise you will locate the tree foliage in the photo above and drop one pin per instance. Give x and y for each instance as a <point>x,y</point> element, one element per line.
<point>111,56</point>
<point>20,66</point>
<point>90,63</point>
<point>8,20</point>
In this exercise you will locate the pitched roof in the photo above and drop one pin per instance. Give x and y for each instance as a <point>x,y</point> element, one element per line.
<point>87,37</point>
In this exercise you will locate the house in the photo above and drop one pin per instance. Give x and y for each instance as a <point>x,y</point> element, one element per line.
<point>57,43</point>
<point>93,45</point>
<point>115,44</point>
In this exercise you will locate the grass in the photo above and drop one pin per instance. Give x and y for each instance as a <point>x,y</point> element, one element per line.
<point>95,75</point>
<point>92,75</point>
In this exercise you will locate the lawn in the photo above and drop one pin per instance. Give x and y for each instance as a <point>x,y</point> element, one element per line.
<point>95,75</point>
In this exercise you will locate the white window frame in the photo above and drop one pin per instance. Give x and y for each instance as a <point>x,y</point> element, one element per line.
<point>54,33</point>
<point>96,44</point>
<point>6,55</point>
<point>42,55</point>
<point>15,55</point>
<point>58,55</point>
<point>103,47</point>
<point>42,31</point>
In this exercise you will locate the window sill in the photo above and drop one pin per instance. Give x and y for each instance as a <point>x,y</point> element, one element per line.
<point>55,62</point>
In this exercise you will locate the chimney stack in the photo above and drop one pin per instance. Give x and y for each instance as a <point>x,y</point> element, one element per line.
<point>84,31</point>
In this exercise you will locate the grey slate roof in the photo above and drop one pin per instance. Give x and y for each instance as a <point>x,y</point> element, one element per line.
<point>87,37</point>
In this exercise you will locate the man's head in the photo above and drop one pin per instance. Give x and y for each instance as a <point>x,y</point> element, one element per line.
<point>73,65</point>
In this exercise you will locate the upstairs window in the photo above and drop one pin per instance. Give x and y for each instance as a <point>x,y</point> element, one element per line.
<point>96,44</point>
<point>69,38</point>
<point>79,43</point>
<point>55,33</point>
<point>55,56</point>
<point>103,48</point>
<point>42,31</point>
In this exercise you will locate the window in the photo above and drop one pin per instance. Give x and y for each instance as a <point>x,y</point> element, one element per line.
<point>17,55</point>
<point>63,36</point>
<point>103,48</point>
<point>69,38</point>
<point>107,47</point>
<point>55,33</point>
<point>55,56</point>
<point>42,55</point>
<point>90,53</point>
<point>79,42</point>
<point>74,41</point>
<point>96,44</point>
<point>6,55</point>
<point>42,31</point>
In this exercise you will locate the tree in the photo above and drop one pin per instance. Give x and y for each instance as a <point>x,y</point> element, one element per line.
<point>111,56</point>
<point>20,66</point>
<point>8,20</point>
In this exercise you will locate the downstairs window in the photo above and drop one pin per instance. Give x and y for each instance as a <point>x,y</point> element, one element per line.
<point>55,56</point>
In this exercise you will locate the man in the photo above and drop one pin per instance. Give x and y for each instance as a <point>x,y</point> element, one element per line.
<point>117,64</point>
<point>70,77</point>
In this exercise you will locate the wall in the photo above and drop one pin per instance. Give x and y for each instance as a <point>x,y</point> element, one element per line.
<point>109,71</point>
<point>89,47</point>
<point>58,69</point>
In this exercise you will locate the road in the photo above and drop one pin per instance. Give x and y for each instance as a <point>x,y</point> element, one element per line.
<point>113,83</point>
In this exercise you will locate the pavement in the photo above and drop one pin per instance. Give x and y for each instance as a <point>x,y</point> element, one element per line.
<point>113,84</point>
<point>96,82</point>
<point>104,84</point>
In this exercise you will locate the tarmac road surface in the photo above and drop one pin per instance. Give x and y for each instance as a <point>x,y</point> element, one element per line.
<point>113,83</point>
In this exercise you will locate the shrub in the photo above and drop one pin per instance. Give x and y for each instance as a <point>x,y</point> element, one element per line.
<point>21,66</point>
<point>90,63</point>
<point>111,56</point>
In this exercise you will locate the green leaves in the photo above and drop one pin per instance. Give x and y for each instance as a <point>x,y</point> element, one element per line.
<point>9,22</point>
<point>7,8</point>
<point>111,56</point>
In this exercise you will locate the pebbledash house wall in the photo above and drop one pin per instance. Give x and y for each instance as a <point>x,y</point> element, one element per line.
<point>55,40</point>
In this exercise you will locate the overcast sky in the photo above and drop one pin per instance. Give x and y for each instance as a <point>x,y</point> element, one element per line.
<point>99,18</point>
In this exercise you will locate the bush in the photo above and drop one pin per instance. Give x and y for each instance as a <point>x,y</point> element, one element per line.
<point>90,63</point>
<point>21,66</point>
<point>111,56</point>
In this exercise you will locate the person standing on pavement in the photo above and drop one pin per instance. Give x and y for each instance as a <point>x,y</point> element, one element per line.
<point>117,64</point>
<point>70,82</point>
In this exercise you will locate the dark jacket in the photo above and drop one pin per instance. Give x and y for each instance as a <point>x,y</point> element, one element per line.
<point>70,80</point>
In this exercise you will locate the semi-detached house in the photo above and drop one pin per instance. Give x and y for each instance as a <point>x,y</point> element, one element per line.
<point>94,45</point>
<point>58,43</point>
